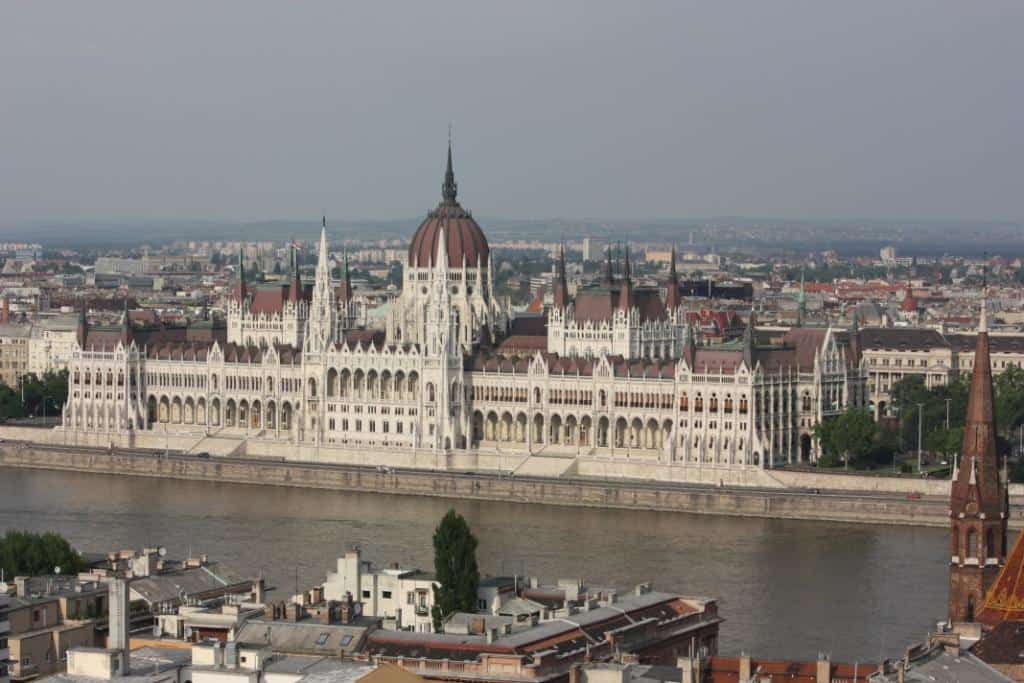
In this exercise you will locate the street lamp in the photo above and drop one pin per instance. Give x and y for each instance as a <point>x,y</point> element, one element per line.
<point>920,407</point>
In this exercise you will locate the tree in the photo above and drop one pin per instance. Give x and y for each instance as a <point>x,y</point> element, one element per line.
<point>455,568</point>
<point>851,436</point>
<point>27,553</point>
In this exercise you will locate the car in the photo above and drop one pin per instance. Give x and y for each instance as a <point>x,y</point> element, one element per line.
<point>204,454</point>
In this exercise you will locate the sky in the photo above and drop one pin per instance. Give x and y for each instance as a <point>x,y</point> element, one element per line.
<point>251,110</point>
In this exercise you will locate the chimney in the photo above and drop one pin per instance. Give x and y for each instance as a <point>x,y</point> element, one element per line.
<point>258,589</point>
<point>901,671</point>
<point>574,674</point>
<point>744,667</point>
<point>690,667</point>
<point>118,619</point>
<point>824,670</point>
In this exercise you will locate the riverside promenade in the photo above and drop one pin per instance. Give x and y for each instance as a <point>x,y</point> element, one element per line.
<point>808,496</point>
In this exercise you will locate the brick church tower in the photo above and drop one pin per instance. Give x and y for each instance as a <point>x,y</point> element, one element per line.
<point>978,504</point>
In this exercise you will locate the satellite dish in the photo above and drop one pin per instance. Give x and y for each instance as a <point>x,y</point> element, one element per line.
<point>56,570</point>
<point>161,551</point>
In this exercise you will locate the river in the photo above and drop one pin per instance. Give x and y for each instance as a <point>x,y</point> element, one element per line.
<point>786,588</point>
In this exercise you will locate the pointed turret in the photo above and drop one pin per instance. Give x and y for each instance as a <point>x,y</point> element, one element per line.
<point>82,333</point>
<point>626,292</point>
<point>345,287</point>
<point>295,284</point>
<point>322,322</point>
<point>978,502</point>
<point>609,274</point>
<point>449,189</point>
<point>690,346</point>
<point>126,325</point>
<point>241,292</point>
<point>749,339</point>
<point>672,298</point>
<point>560,290</point>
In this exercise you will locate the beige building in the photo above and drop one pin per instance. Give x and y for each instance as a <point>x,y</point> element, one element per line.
<point>895,353</point>
<point>14,353</point>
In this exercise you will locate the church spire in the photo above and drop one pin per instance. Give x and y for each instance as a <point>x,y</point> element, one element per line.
<point>449,189</point>
<point>242,292</point>
<point>672,298</point>
<point>560,293</point>
<point>978,506</point>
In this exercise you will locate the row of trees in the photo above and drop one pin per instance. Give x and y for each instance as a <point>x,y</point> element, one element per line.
<point>855,438</point>
<point>36,395</point>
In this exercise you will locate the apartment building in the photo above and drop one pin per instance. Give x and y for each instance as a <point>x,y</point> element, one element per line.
<point>895,353</point>
<point>14,353</point>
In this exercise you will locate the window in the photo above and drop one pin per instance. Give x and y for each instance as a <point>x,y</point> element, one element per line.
<point>345,640</point>
<point>322,639</point>
<point>410,598</point>
<point>481,605</point>
<point>366,595</point>
<point>386,595</point>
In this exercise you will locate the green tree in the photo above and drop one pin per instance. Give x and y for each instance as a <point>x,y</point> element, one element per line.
<point>27,553</point>
<point>455,567</point>
<point>849,437</point>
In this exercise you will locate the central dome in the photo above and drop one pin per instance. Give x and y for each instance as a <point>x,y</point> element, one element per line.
<point>463,238</point>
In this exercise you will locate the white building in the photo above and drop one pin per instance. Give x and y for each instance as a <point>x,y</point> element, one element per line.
<point>52,342</point>
<point>615,375</point>
<point>403,598</point>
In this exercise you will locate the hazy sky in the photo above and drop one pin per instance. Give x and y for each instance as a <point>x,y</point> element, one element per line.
<point>253,110</point>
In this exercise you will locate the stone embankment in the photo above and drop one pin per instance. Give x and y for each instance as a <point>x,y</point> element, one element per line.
<point>784,501</point>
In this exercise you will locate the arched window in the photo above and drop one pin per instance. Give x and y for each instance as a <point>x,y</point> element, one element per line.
<point>972,544</point>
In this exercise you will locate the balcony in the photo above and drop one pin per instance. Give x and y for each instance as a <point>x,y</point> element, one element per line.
<point>21,672</point>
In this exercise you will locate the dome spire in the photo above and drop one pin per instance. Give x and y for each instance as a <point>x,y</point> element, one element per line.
<point>449,189</point>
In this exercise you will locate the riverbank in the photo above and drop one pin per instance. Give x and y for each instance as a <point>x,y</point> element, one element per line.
<point>574,491</point>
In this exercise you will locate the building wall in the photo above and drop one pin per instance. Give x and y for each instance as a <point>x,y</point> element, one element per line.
<point>14,353</point>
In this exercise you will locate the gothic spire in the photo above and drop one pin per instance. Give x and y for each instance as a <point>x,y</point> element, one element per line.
<point>672,298</point>
<point>449,189</point>
<point>978,504</point>
<point>242,292</point>
<point>748,339</point>
<point>560,293</point>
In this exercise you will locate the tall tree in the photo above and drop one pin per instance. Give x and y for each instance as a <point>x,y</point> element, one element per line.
<point>455,567</point>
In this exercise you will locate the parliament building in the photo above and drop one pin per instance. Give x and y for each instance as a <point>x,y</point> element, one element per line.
<point>615,371</point>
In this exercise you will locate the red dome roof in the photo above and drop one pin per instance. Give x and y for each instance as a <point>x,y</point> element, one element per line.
<point>464,240</point>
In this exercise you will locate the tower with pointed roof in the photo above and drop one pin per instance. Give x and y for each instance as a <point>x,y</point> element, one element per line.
<point>322,323</point>
<point>978,504</point>
<point>464,265</point>
<point>560,288</point>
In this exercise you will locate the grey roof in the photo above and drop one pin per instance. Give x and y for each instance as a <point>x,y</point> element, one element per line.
<point>147,664</point>
<point>517,606</point>
<point>583,619</point>
<point>319,669</point>
<point>195,581</point>
<point>940,666</point>
<point>303,637</point>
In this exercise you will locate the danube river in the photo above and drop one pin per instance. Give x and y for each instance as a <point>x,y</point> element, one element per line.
<point>786,588</point>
